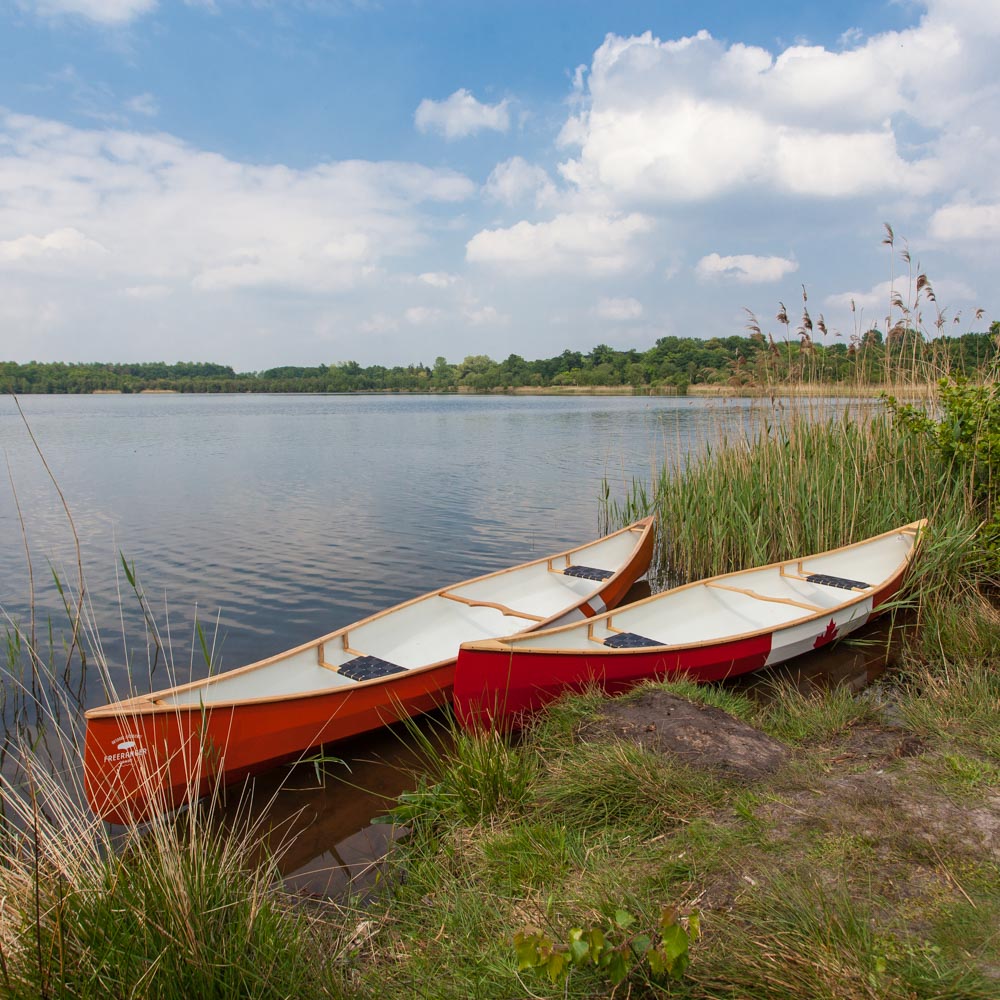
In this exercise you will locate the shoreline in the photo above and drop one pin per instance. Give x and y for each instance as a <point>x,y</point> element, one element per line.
<point>817,391</point>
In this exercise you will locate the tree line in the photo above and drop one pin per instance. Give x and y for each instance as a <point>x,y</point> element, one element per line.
<point>747,361</point>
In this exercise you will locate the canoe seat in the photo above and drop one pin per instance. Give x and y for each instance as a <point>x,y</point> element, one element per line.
<point>366,668</point>
<point>629,640</point>
<point>837,581</point>
<point>588,572</point>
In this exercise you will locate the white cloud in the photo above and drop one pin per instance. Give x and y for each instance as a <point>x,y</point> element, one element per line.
<point>964,221</point>
<point>873,305</point>
<point>746,269</point>
<point>146,291</point>
<point>461,115</point>
<point>143,104</point>
<point>515,180</point>
<point>166,213</point>
<point>438,279</point>
<point>110,12</point>
<point>875,301</point>
<point>379,323</point>
<point>953,292</point>
<point>422,315</point>
<point>618,309</point>
<point>972,16</point>
<point>578,242</point>
<point>694,119</point>
<point>483,315</point>
<point>61,247</point>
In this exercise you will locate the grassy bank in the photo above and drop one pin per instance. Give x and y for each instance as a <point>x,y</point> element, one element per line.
<point>851,852</point>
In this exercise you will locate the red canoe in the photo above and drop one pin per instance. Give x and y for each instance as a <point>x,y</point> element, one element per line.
<point>152,753</point>
<point>708,630</point>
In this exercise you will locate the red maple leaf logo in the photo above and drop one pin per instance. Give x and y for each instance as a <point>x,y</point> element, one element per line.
<point>828,636</point>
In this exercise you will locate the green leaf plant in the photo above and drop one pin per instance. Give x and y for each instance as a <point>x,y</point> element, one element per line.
<point>967,440</point>
<point>617,948</point>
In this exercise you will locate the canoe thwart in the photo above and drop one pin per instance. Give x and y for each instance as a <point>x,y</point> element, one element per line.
<point>588,572</point>
<point>502,608</point>
<point>630,640</point>
<point>791,602</point>
<point>837,581</point>
<point>366,668</point>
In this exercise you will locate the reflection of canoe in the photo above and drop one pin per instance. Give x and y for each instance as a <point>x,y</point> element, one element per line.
<point>708,630</point>
<point>154,752</point>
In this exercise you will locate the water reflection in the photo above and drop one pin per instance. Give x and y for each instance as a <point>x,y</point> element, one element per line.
<point>317,816</point>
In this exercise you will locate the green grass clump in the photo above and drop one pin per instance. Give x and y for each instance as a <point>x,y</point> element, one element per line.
<point>949,682</point>
<point>177,910</point>
<point>795,716</point>
<point>619,785</point>
<point>534,855</point>
<point>468,777</point>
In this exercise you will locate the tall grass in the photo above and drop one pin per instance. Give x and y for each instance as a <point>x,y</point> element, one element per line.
<point>951,686</point>
<point>466,777</point>
<point>801,937</point>
<point>800,486</point>
<point>169,910</point>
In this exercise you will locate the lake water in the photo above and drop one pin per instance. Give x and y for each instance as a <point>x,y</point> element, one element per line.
<point>274,519</point>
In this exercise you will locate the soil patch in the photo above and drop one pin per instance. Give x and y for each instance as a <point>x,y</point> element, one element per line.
<point>873,746</point>
<point>891,809</point>
<point>700,735</point>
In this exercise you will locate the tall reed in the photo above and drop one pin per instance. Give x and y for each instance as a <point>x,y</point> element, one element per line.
<point>802,485</point>
<point>172,909</point>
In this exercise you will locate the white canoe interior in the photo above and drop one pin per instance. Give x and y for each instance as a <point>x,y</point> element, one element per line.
<point>427,630</point>
<point>743,603</point>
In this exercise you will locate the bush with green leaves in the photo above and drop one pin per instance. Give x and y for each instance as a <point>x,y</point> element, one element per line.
<point>966,437</point>
<point>616,948</point>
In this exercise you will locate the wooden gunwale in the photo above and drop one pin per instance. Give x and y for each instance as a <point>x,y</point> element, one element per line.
<point>518,643</point>
<point>152,704</point>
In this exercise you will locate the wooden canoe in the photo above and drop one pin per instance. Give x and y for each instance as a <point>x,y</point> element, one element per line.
<point>152,753</point>
<point>708,630</point>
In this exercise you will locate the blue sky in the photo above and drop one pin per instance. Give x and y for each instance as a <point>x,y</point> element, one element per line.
<point>313,181</point>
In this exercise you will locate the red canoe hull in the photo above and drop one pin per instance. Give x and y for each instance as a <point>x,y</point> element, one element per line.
<point>510,686</point>
<point>181,754</point>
